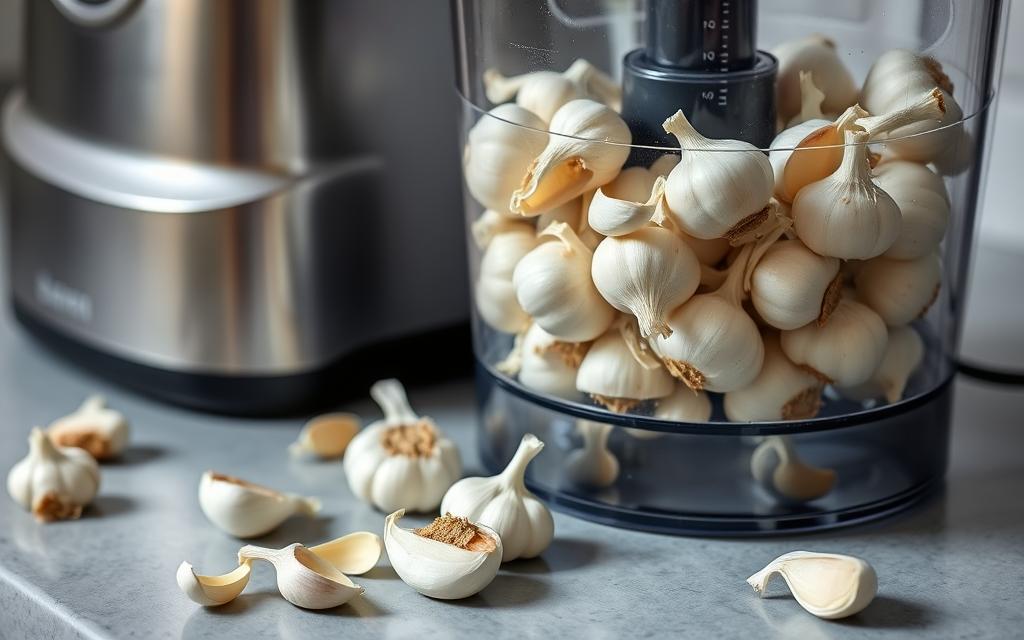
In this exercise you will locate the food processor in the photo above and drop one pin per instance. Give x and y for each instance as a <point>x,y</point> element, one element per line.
<point>895,104</point>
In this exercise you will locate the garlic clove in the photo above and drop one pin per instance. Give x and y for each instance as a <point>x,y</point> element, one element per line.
<point>617,374</point>
<point>461,563</point>
<point>811,99</point>
<point>212,591</point>
<point>780,471</point>
<point>304,579</point>
<point>54,483</point>
<point>792,286</point>
<point>499,149</point>
<point>827,585</point>
<point>353,554</point>
<point>247,510</point>
<point>815,54</point>
<point>899,290</point>
<point>99,430</point>
<point>492,223</point>
<point>663,165</point>
<point>783,146</point>
<point>903,355</point>
<point>495,293</point>
<point>326,436</point>
<point>503,503</point>
<point>683,405</point>
<point>550,365</point>
<point>781,390</point>
<point>593,465</point>
<point>540,92</point>
<point>818,154</point>
<point>924,204</point>
<point>626,203</point>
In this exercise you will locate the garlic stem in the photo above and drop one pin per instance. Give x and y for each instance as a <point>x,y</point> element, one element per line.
<point>390,395</point>
<point>930,106</point>
<point>811,99</point>
<point>513,475</point>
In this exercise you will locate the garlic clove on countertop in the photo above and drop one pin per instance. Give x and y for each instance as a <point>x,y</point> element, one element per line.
<point>247,510</point>
<point>504,504</point>
<point>94,427</point>
<point>449,559</point>
<point>304,579</point>
<point>52,482</point>
<point>213,591</point>
<point>776,466</point>
<point>353,554</point>
<point>326,436</point>
<point>828,585</point>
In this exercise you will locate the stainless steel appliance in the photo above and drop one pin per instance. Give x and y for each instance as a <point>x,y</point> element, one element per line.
<point>217,200</point>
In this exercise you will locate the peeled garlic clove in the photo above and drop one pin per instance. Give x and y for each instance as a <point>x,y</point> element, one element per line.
<point>504,504</point>
<point>577,157</point>
<point>101,431</point>
<point>899,290</point>
<point>647,273</point>
<point>924,204</point>
<point>553,285</point>
<point>353,554</point>
<point>593,465</point>
<point>492,223</point>
<point>828,585</point>
<point>720,188</point>
<point>792,286</point>
<point>781,391</point>
<point>816,54</point>
<point>495,293</point>
<point>903,355</point>
<point>817,155</point>
<point>450,559</point>
<point>326,436</point>
<point>846,351</point>
<point>550,365</point>
<point>247,510</point>
<point>626,203</point>
<point>777,468</point>
<point>304,579</point>
<point>499,149</point>
<point>617,374</point>
<point>54,483</point>
<point>846,215</point>
<point>212,591</point>
<point>404,459</point>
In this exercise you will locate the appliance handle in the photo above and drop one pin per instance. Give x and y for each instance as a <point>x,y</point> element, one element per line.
<point>93,14</point>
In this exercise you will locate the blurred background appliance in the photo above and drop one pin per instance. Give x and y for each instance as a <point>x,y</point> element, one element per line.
<point>237,205</point>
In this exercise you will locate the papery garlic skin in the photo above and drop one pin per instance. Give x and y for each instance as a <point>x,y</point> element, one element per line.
<point>94,427</point>
<point>593,465</point>
<point>212,591</point>
<point>719,187</point>
<point>846,351</point>
<point>440,570</point>
<point>618,376</point>
<point>647,273</point>
<point>781,390</point>
<point>899,290</point>
<point>818,55</point>
<point>924,204</point>
<point>553,285</point>
<point>499,149</point>
<point>903,355</point>
<point>304,579</point>
<point>828,585</point>
<point>495,294</point>
<point>846,215</point>
<point>578,157</point>
<point>246,510</point>
<point>54,483</point>
<point>504,504</point>
<point>550,365</point>
<point>777,468</point>
<point>383,475</point>
<point>792,286</point>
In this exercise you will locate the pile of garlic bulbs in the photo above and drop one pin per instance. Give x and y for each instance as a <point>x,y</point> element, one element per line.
<point>763,277</point>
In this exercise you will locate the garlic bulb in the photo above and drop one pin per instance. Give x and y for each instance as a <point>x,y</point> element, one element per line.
<point>450,559</point>
<point>781,390</point>
<point>550,365</point>
<point>846,215</point>
<point>792,286</point>
<point>504,504</point>
<point>816,54</point>
<point>52,482</point>
<point>494,293</point>
<point>720,187</point>
<point>924,204</point>
<point>618,373</point>
<point>896,79</point>
<point>682,405</point>
<point>499,150</point>
<point>811,99</point>
<point>846,351</point>
<point>777,468</point>
<point>818,154</point>
<point>492,223</point>
<point>403,459</point>
<point>900,290</point>
<point>713,344</point>
<point>577,157</point>
<point>620,207</point>
<point>212,591</point>
<point>647,273</point>
<point>593,465</point>
<point>544,92</point>
<point>828,585</point>
<point>247,510</point>
<point>553,285</point>
<point>903,355</point>
<point>99,430</point>
<point>326,436</point>
<point>664,165</point>
<point>304,579</point>
<point>782,148</point>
